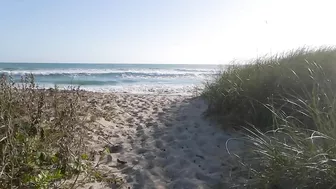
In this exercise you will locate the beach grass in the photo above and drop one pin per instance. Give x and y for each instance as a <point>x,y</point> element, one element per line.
<point>286,106</point>
<point>41,136</point>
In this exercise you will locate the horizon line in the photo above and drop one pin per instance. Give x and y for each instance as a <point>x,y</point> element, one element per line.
<point>1,62</point>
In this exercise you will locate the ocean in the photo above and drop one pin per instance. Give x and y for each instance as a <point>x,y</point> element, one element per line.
<point>130,78</point>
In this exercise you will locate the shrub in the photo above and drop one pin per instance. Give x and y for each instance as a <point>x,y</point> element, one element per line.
<point>40,135</point>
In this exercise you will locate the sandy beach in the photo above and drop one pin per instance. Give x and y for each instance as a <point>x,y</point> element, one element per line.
<point>156,141</point>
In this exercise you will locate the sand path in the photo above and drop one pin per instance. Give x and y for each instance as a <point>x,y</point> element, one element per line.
<point>165,141</point>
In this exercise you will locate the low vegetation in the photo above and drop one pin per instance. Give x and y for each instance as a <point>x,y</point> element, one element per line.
<point>286,106</point>
<point>42,136</point>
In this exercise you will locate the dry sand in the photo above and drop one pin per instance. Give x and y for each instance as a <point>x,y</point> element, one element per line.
<point>164,140</point>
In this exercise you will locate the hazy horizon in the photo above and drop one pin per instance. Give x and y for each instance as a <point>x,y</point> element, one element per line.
<point>105,63</point>
<point>160,32</point>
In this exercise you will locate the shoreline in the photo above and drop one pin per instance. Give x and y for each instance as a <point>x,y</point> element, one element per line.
<point>124,93</point>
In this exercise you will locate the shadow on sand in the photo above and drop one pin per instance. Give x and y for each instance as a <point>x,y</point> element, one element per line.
<point>177,148</point>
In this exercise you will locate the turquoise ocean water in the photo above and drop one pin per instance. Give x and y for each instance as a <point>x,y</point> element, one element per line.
<point>132,78</point>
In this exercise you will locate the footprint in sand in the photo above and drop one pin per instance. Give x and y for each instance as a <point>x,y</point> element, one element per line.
<point>190,154</point>
<point>214,169</point>
<point>163,153</point>
<point>160,162</point>
<point>183,163</point>
<point>139,127</point>
<point>139,177</point>
<point>168,138</point>
<point>149,124</point>
<point>129,179</point>
<point>156,171</point>
<point>150,165</point>
<point>141,150</point>
<point>182,136</point>
<point>172,171</point>
<point>115,136</point>
<point>157,134</point>
<point>171,159</point>
<point>144,138</point>
<point>140,133</point>
<point>183,184</point>
<point>179,129</point>
<point>140,117</point>
<point>135,113</point>
<point>114,148</point>
<point>203,177</point>
<point>196,124</point>
<point>168,124</point>
<point>149,156</point>
<point>149,119</point>
<point>181,118</point>
<point>108,159</point>
<point>199,141</point>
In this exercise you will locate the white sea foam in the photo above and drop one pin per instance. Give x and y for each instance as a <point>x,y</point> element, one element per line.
<point>158,79</point>
<point>110,71</point>
<point>168,89</point>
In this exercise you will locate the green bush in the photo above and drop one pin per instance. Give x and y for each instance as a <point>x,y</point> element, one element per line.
<point>40,135</point>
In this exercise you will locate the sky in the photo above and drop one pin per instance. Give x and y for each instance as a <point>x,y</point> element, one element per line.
<point>160,31</point>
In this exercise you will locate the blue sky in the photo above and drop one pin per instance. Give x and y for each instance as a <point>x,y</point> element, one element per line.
<point>159,31</point>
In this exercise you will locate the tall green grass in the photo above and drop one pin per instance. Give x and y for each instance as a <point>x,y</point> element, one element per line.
<point>286,105</point>
<point>241,93</point>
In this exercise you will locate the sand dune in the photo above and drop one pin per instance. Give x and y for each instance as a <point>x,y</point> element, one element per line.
<point>157,141</point>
